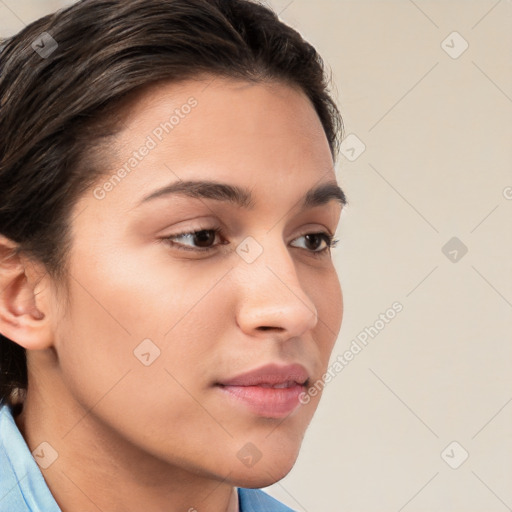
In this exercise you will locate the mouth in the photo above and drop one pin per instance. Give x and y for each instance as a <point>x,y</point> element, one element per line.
<point>284,385</point>
<point>270,391</point>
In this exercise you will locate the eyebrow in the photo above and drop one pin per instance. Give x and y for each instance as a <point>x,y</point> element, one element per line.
<point>241,196</point>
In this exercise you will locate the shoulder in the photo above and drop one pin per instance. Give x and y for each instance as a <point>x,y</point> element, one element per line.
<point>255,500</point>
<point>22,486</point>
<point>10,495</point>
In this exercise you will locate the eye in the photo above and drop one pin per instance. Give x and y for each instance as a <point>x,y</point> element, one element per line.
<point>203,237</point>
<point>203,241</point>
<point>316,240</point>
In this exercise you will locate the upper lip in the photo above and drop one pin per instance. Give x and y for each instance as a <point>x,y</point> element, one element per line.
<point>270,374</point>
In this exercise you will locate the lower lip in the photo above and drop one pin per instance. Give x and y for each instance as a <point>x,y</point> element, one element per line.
<point>267,402</point>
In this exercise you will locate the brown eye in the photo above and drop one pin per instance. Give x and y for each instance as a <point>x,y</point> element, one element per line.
<point>200,240</point>
<point>205,237</point>
<point>314,242</point>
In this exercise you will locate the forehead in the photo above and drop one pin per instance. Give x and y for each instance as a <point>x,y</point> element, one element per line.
<point>224,109</point>
<point>263,136</point>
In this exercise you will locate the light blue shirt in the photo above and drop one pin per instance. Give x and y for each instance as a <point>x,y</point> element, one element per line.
<point>23,488</point>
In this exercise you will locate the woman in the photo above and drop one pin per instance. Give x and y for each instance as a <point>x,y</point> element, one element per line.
<point>145,365</point>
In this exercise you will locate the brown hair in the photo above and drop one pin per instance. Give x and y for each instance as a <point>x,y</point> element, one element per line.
<point>62,81</point>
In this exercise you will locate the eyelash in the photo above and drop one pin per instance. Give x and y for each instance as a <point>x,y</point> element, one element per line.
<point>328,238</point>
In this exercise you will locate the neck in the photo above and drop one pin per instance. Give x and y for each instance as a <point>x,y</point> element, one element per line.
<point>96,469</point>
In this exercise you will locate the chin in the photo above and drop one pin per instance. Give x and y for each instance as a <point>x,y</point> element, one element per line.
<point>264,473</point>
<point>257,479</point>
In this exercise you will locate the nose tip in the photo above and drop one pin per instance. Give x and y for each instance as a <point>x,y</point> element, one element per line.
<point>308,321</point>
<point>277,302</point>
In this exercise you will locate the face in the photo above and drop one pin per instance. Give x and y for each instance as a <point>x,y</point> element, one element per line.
<point>195,316</point>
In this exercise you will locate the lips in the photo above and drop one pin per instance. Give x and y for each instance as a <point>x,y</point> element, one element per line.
<point>270,375</point>
<point>270,391</point>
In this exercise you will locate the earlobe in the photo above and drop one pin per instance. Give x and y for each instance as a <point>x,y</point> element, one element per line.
<point>22,316</point>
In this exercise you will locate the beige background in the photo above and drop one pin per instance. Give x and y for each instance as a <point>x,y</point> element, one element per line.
<point>437,126</point>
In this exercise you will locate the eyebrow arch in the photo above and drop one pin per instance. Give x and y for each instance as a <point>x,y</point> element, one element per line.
<point>242,197</point>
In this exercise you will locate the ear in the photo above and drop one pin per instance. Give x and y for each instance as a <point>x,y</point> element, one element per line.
<point>24,304</point>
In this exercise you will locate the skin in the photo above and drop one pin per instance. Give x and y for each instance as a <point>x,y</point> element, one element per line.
<point>132,437</point>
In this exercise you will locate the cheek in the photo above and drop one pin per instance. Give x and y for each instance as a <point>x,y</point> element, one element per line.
<point>140,292</point>
<point>128,313</point>
<point>337,304</point>
<point>328,299</point>
<point>117,362</point>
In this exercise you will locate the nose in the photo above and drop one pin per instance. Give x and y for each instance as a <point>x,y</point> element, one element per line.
<point>273,298</point>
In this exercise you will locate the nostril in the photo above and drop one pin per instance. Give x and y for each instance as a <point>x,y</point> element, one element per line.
<point>270,327</point>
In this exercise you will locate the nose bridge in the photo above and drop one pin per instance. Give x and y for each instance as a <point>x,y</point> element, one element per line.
<point>272,295</point>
